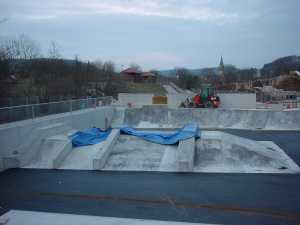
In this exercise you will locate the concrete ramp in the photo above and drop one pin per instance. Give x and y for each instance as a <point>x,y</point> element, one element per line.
<point>52,153</point>
<point>118,118</point>
<point>221,152</point>
<point>27,152</point>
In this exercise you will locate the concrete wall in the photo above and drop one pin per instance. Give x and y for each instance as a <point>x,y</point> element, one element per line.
<point>174,100</point>
<point>162,116</point>
<point>136,100</point>
<point>228,100</point>
<point>17,136</point>
<point>237,100</point>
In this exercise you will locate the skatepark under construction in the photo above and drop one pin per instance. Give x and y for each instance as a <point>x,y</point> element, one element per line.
<point>243,168</point>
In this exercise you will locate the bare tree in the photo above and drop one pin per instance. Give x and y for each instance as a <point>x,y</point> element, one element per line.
<point>98,63</point>
<point>109,68</point>
<point>53,52</point>
<point>22,47</point>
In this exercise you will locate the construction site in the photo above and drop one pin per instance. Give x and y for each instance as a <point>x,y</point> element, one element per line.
<point>152,112</point>
<point>147,163</point>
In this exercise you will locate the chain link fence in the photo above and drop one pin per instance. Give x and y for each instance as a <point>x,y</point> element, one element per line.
<point>32,111</point>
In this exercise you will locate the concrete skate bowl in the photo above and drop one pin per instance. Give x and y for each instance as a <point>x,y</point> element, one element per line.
<point>164,117</point>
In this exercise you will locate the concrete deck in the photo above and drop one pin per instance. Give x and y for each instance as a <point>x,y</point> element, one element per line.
<point>246,199</point>
<point>19,217</point>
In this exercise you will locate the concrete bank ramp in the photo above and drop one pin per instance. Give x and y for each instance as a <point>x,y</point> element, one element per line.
<point>223,152</point>
<point>52,152</point>
<point>164,117</point>
<point>216,152</point>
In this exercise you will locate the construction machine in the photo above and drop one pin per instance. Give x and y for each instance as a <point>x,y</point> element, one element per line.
<point>206,99</point>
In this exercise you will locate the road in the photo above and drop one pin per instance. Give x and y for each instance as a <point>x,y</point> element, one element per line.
<point>191,197</point>
<point>170,89</point>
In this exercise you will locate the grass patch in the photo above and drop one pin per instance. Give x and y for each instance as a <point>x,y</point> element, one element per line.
<point>145,88</point>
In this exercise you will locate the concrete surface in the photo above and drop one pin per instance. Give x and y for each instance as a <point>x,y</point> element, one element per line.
<point>21,140</point>
<point>237,100</point>
<point>40,149</point>
<point>170,89</point>
<point>174,100</point>
<point>286,140</point>
<point>81,158</point>
<point>164,117</point>
<point>136,100</point>
<point>222,152</point>
<point>186,155</point>
<point>134,154</point>
<point>51,153</point>
<point>233,199</point>
<point>177,95</point>
<point>101,157</point>
<point>19,217</point>
<point>216,151</point>
<point>221,198</point>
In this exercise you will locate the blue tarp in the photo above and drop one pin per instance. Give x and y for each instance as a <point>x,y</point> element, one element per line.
<point>89,136</point>
<point>188,131</point>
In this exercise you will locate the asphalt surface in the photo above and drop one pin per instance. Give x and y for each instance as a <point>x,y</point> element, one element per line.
<point>192,197</point>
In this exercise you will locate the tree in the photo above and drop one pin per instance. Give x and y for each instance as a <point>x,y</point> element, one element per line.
<point>155,72</point>
<point>98,64</point>
<point>53,52</point>
<point>186,80</point>
<point>22,47</point>
<point>290,83</point>
<point>109,68</point>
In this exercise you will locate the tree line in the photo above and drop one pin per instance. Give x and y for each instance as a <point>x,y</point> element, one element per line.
<point>25,71</point>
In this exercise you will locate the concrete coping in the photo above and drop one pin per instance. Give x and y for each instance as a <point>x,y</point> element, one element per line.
<point>186,155</point>
<point>103,154</point>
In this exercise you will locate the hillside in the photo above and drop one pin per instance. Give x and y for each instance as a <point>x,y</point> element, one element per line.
<point>281,66</point>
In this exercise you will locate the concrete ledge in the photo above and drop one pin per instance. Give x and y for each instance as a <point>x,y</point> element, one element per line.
<point>11,161</point>
<point>60,157</point>
<point>1,164</point>
<point>32,147</point>
<point>101,157</point>
<point>186,155</point>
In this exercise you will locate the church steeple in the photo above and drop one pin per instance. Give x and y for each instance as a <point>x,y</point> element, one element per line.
<point>221,63</point>
<point>222,69</point>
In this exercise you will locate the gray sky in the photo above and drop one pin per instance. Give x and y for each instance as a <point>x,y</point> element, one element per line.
<point>160,34</point>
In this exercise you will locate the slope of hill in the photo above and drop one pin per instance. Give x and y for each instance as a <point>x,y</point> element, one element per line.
<point>281,66</point>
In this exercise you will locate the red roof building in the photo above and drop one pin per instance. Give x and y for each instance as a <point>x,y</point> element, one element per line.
<point>138,76</point>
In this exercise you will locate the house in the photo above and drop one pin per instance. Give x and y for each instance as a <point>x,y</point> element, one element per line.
<point>149,77</point>
<point>132,74</point>
<point>135,75</point>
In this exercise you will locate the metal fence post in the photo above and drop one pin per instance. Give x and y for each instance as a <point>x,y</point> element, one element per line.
<point>71,108</point>
<point>32,112</point>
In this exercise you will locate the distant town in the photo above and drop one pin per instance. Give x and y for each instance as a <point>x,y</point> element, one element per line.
<point>27,76</point>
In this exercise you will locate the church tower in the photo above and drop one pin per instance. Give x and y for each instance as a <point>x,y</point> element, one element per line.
<point>222,70</point>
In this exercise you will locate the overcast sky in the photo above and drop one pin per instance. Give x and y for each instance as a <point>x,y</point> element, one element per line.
<point>160,34</point>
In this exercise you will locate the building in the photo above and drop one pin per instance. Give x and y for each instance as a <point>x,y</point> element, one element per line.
<point>135,75</point>
<point>222,70</point>
<point>132,74</point>
<point>149,77</point>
